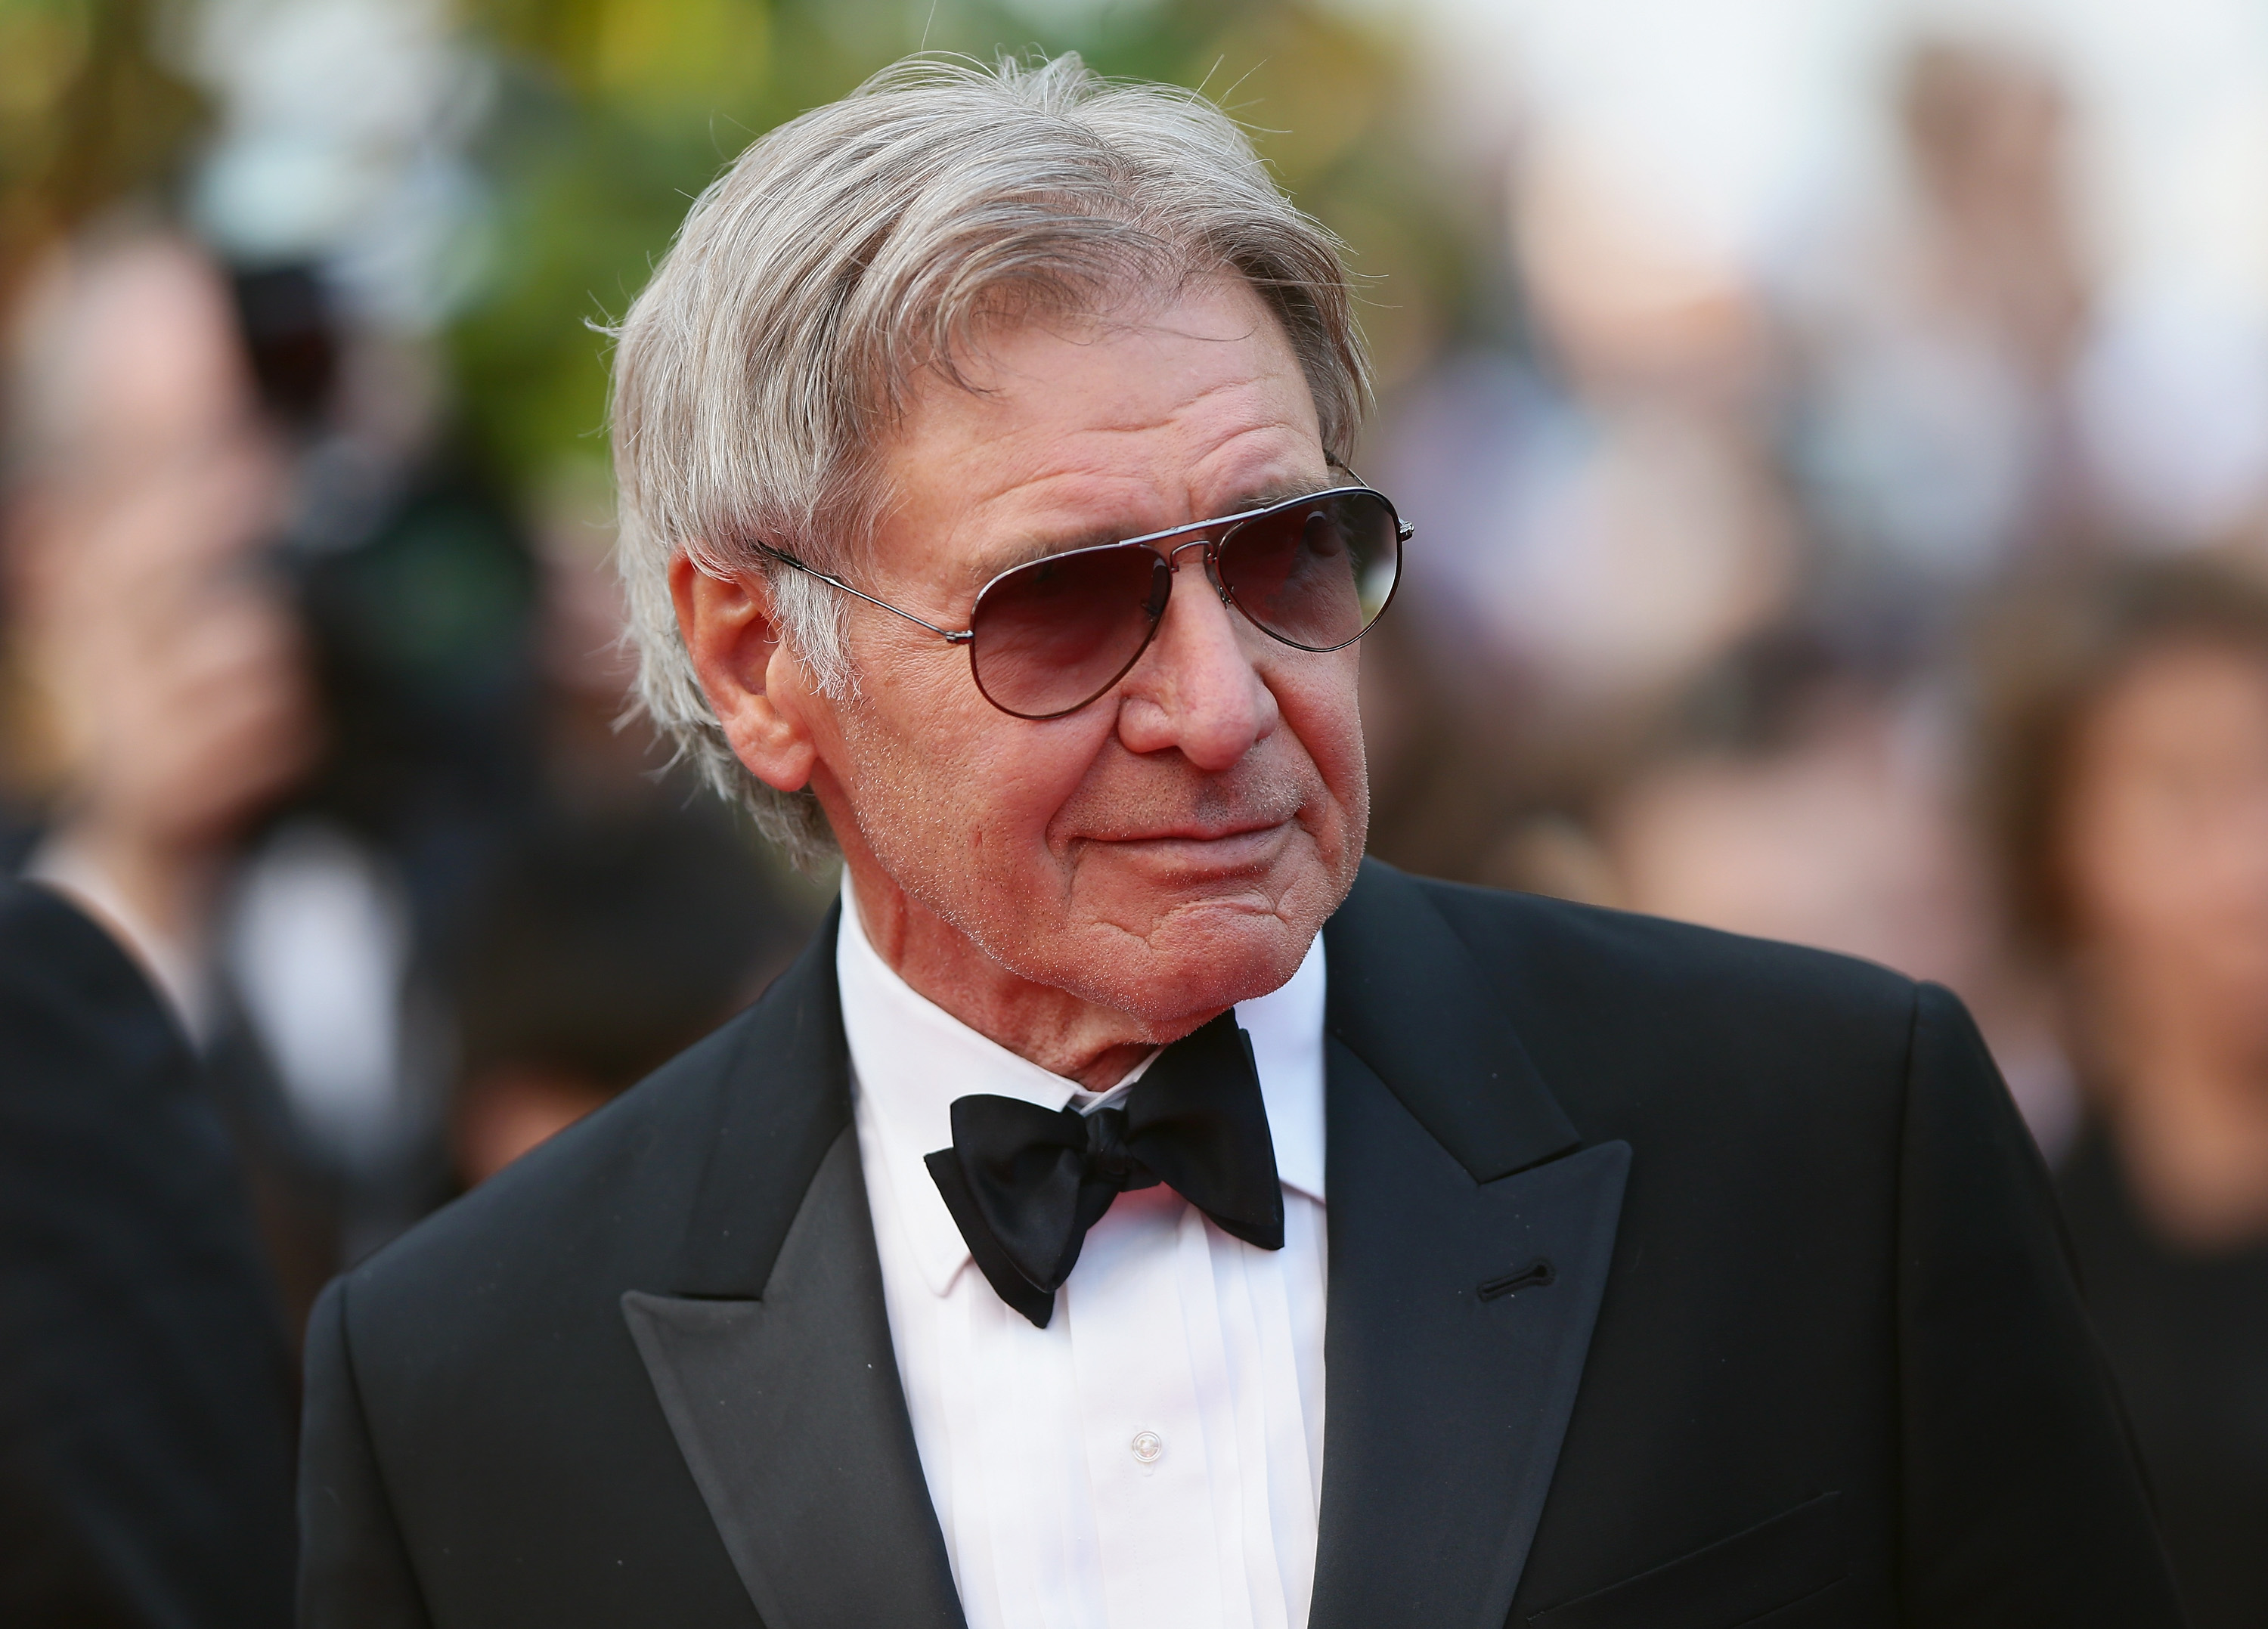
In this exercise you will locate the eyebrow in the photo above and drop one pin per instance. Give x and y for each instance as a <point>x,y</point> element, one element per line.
<point>1026,552</point>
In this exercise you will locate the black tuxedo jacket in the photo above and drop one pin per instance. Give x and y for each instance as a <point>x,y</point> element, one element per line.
<point>1677,1281</point>
<point>145,1397</point>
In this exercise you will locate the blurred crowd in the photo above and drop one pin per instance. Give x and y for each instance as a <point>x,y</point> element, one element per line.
<point>1833,599</point>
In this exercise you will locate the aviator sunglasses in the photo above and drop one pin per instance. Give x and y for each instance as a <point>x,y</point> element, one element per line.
<point>1047,637</point>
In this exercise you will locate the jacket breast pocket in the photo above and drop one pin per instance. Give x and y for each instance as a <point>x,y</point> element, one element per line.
<point>1738,1580</point>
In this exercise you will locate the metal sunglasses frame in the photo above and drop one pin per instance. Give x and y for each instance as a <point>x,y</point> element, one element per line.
<point>1224,527</point>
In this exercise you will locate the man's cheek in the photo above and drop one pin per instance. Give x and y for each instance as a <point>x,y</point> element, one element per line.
<point>1327,726</point>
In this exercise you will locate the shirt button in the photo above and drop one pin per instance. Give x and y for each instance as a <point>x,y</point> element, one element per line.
<point>1148,1446</point>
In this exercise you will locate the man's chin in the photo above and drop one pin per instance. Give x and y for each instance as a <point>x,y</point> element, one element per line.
<point>1206,955</point>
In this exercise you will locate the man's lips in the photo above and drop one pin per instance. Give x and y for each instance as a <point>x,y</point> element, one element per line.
<point>1240,850</point>
<point>1198,832</point>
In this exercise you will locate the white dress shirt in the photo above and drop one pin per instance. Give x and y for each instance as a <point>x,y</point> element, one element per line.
<point>1153,1458</point>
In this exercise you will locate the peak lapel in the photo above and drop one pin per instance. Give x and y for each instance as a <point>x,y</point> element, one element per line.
<point>772,1358</point>
<point>1469,1253</point>
<point>785,1098</point>
<point>789,1412</point>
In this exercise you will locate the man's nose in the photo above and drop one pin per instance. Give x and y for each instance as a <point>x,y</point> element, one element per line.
<point>1197,687</point>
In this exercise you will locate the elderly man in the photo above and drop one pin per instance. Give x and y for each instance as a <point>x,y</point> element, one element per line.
<point>1133,1209</point>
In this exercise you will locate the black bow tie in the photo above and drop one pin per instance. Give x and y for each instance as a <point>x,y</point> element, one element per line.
<point>1025,1182</point>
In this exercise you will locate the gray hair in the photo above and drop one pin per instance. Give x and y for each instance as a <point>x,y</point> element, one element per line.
<point>850,249</point>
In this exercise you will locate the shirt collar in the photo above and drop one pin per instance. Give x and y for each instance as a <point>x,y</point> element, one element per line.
<point>909,1059</point>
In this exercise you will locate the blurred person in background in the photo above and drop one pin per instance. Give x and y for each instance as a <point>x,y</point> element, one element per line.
<point>2123,763</point>
<point>187,532</point>
<point>170,702</point>
<point>145,1383</point>
<point>1790,797</point>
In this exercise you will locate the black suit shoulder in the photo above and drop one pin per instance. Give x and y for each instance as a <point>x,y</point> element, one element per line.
<point>1652,964</point>
<point>144,1393</point>
<point>1668,1034</point>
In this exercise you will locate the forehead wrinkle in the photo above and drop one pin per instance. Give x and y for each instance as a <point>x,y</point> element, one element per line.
<point>1001,395</point>
<point>1245,381</point>
<point>1244,488</point>
<point>1089,452</point>
<point>1208,496</point>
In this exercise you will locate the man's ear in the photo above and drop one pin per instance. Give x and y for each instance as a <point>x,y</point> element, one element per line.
<point>754,685</point>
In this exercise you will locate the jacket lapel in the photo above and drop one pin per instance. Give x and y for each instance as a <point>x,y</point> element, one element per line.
<point>1469,1243</point>
<point>773,1362</point>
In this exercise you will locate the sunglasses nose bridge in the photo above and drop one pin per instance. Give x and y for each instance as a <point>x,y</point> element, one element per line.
<point>1211,557</point>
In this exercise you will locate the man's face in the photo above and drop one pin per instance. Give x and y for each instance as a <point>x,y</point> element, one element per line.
<point>1173,847</point>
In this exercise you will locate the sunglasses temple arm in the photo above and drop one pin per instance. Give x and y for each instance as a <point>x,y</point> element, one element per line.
<point>951,635</point>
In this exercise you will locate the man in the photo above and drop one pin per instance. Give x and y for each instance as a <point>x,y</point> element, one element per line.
<point>1460,1259</point>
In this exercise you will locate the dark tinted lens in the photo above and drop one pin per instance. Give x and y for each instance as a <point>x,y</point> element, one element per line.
<point>1317,573</point>
<point>1054,635</point>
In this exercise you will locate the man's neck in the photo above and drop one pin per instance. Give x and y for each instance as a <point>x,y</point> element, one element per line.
<point>1062,1032</point>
